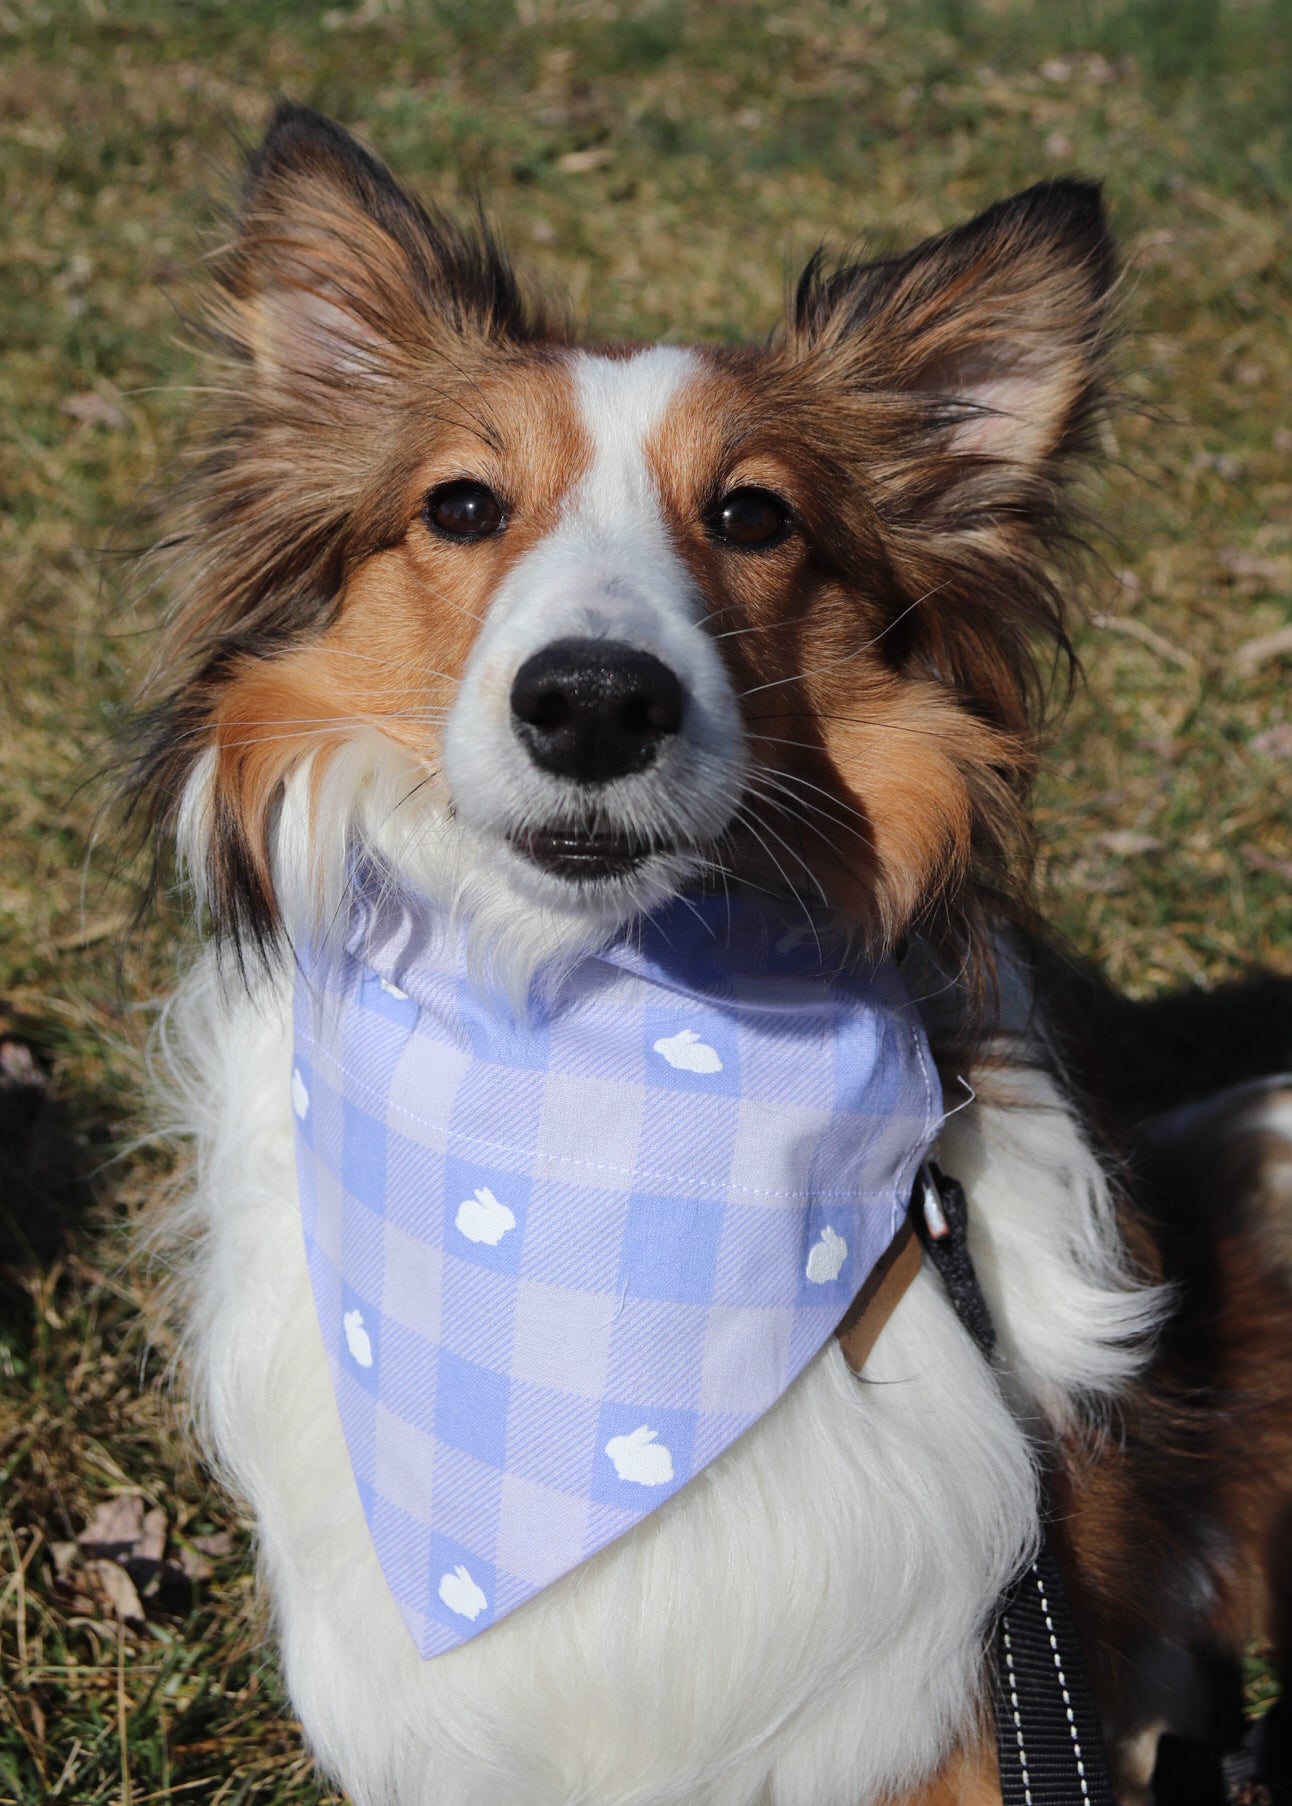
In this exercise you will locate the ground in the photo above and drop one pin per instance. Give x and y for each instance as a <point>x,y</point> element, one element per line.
<point>670,166</point>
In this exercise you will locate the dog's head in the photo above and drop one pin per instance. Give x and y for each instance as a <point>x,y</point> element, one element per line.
<point>558,631</point>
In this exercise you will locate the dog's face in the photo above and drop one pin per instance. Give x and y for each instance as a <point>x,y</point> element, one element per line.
<point>559,631</point>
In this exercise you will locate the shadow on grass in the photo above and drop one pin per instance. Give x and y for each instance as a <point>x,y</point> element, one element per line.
<point>1142,1057</point>
<point>52,1145</point>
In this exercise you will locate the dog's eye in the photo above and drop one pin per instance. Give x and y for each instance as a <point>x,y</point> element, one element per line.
<point>752,518</point>
<point>464,510</point>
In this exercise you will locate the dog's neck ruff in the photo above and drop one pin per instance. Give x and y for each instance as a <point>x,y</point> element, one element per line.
<point>562,1262</point>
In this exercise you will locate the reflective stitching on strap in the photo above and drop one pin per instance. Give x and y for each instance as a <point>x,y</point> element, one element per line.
<point>1018,1719</point>
<point>1063,1684</point>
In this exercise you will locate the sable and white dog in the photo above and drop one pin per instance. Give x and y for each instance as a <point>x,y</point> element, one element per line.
<point>557,632</point>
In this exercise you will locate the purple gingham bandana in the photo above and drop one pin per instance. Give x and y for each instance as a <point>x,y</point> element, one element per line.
<point>561,1263</point>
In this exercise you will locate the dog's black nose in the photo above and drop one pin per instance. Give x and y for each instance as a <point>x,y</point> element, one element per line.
<point>594,710</point>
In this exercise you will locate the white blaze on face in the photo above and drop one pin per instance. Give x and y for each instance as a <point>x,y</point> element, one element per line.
<point>615,509</point>
<point>610,570</point>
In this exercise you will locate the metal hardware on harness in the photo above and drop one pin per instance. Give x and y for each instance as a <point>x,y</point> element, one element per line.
<point>1049,1743</point>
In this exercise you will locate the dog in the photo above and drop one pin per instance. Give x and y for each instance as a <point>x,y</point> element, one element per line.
<point>553,635</point>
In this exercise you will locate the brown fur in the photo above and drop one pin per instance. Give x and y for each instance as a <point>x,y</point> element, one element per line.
<point>352,329</point>
<point>969,1777</point>
<point>404,623</point>
<point>1174,1525</point>
<point>875,781</point>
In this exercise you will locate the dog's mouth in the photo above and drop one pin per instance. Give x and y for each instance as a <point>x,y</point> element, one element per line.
<point>581,855</point>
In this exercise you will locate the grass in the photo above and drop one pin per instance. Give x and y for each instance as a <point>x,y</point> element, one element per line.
<point>669,165</point>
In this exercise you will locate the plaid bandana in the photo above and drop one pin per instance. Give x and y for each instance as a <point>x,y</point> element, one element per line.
<point>561,1263</point>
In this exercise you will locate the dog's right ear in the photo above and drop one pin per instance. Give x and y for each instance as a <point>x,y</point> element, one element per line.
<point>335,274</point>
<point>987,345</point>
<point>345,316</point>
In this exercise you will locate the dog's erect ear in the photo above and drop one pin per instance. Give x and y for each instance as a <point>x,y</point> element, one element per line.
<point>997,327</point>
<point>335,272</point>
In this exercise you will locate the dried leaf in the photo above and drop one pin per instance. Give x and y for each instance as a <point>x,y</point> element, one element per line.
<point>1260,861</point>
<point>1081,65</point>
<point>93,409</point>
<point>1226,466</point>
<point>1276,573</point>
<point>116,1527</point>
<point>115,1591</point>
<point>18,1068</point>
<point>65,1557</point>
<point>1094,881</point>
<point>1273,742</point>
<point>217,1544</point>
<point>577,163</point>
<point>1127,843</point>
<point>192,1564</point>
<point>152,1541</point>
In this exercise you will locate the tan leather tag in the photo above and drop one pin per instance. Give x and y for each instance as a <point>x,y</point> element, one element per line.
<point>879,1297</point>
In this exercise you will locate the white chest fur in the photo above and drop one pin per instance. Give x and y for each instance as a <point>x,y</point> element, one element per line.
<point>802,1625</point>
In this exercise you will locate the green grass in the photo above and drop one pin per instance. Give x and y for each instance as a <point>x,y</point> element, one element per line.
<point>727,140</point>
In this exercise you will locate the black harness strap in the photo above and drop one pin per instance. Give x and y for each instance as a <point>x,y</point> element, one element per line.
<point>1048,1738</point>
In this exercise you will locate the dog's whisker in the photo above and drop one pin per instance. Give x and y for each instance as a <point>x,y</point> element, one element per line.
<point>847,657</point>
<point>317,730</point>
<point>792,785</point>
<point>802,813</point>
<point>792,852</point>
<point>884,726</point>
<point>798,813</point>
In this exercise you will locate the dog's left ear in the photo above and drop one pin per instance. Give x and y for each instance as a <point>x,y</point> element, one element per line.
<point>993,334</point>
<point>336,274</point>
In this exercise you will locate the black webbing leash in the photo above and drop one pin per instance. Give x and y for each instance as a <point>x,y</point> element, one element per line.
<point>1048,1739</point>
